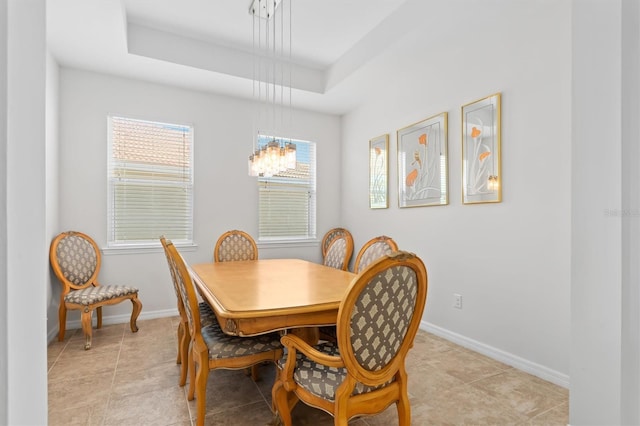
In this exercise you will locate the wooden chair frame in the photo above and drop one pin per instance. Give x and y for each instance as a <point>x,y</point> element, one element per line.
<point>184,337</point>
<point>86,310</point>
<point>330,236</point>
<point>223,238</point>
<point>199,361</point>
<point>381,239</point>
<point>286,393</point>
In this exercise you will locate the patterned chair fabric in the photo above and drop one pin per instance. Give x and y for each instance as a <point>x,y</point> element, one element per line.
<point>210,347</point>
<point>381,316</point>
<point>75,259</point>
<point>320,379</point>
<point>331,235</point>
<point>377,322</point>
<point>235,246</point>
<point>372,250</point>
<point>337,253</point>
<point>92,295</point>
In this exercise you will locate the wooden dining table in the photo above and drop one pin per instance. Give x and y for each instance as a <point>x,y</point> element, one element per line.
<point>259,296</point>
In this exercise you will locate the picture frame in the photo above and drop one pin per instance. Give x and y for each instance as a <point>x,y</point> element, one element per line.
<point>379,172</point>
<point>423,163</point>
<point>481,159</point>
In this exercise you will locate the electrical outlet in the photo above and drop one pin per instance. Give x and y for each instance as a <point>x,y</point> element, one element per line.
<point>457,301</point>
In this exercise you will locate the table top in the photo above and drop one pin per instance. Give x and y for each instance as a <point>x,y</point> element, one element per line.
<point>270,287</point>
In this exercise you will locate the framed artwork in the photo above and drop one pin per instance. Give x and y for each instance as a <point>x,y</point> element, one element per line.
<point>423,164</point>
<point>481,173</point>
<point>379,172</point>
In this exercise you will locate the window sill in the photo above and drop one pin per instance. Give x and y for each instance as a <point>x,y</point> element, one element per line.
<point>144,248</point>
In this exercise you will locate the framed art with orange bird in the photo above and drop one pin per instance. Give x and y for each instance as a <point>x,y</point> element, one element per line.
<point>423,163</point>
<point>481,168</point>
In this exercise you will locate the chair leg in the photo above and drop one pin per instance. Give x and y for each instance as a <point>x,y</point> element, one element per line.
<point>192,376</point>
<point>201,387</point>
<point>255,372</point>
<point>180,335</point>
<point>86,327</point>
<point>280,402</point>
<point>402,405</point>
<point>62,320</point>
<point>99,316</point>
<point>184,350</point>
<point>137,307</point>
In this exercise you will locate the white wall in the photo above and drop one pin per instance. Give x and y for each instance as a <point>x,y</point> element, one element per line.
<point>605,378</point>
<point>53,288</point>
<point>4,303</point>
<point>225,196</point>
<point>509,261</point>
<point>27,260</point>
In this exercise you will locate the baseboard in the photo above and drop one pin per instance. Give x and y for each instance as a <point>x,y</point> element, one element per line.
<point>114,319</point>
<point>537,370</point>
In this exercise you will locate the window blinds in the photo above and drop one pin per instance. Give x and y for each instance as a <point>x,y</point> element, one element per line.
<point>150,175</point>
<point>287,201</point>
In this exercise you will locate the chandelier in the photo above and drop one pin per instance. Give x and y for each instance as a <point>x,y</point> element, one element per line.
<point>276,155</point>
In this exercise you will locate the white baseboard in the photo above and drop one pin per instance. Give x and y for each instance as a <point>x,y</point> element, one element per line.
<point>114,319</point>
<point>537,370</point>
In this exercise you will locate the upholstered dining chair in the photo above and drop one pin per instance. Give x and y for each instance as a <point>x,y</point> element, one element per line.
<point>372,250</point>
<point>339,252</point>
<point>235,245</point>
<point>330,236</point>
<point>364,372</point>
<point>210,347</point>
<point>207,317</point>
<point>75,259</point>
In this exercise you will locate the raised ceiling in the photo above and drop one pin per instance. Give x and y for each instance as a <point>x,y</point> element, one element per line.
<point>206,45</point>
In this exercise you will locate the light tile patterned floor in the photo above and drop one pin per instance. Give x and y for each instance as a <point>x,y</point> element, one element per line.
<point>132,379</point>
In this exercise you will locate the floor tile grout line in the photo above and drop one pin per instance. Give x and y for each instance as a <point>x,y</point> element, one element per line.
<point>113,380</point>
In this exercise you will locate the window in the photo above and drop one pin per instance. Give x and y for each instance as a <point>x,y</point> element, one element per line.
<point>287,201</point>
<point>150,182</point>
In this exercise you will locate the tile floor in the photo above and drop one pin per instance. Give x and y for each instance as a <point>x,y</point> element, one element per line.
<point>132,379</point>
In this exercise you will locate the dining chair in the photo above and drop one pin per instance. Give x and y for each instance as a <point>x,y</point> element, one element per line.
<point>339,252</point>
<point>330,236</point>
<point>235,245</point>
<point>75,259</point>
<point>372,250</point>
<point>207,317</point>
<point>364,372</point>
<point>210,347</point>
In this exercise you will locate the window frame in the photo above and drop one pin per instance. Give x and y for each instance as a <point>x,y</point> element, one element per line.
<point>153,244</point>
<point>310,239</point>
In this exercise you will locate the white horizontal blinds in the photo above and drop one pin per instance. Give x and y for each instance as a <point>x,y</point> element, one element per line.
<point>287,201</point>
<point>151,181</point>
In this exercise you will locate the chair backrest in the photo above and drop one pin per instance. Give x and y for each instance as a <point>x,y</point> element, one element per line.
<point>174,278</point>
<point>331,235</point>
<point>235,245</point>
<point>186,290</point>
<point>372,250</point>
<point>75,259</point>
<point>339,253</point>
<point>379,317</point>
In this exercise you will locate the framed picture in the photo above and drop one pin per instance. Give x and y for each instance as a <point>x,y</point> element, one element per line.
<point>481,174</point>
<point>423,164</point>
<point>379,172</point>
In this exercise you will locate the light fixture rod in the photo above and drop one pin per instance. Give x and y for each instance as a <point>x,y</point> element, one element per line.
<point>264,9</point>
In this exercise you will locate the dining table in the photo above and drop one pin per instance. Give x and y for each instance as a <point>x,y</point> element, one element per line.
<point>260,296</point>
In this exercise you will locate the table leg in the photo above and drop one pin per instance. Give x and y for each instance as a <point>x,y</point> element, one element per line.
<point>311,335</point>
